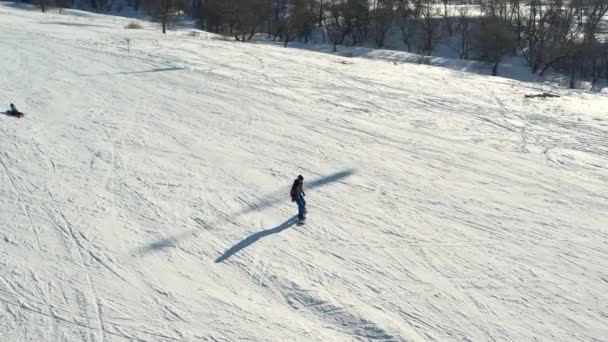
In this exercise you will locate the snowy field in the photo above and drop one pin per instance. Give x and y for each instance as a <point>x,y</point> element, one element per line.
<point>145,194</point>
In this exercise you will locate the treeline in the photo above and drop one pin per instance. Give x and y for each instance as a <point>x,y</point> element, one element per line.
<point>568,36</point>
<point>565,35</point>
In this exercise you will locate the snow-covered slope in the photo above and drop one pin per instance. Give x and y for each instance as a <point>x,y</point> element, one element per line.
<point>144,194</point>
<point>513,67</point>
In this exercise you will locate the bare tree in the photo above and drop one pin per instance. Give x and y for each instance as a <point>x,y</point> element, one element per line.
<point>61,4</point>
<point>543,32</point>
<point>593,12</point>
<point>248,16</point>
<point>337,22</point>
<point>277,21</point>
<point>495,40</point>
<point>358,13</point>
<point>382,15</point>
<point>603,60</point>
<point>136,4</point>
<point>463,30</point>
<point>430,31</point>
<point>321,17</point>
<point>209,15</point>
<point>562,43</point>
<point>408,20</point>
<point>43,4</point>
<point>162,10</point>
<point>299,20</point>
<point>447,13</point>
<point>497,9</point>
<point>594,55</point>
<point>517,20</point>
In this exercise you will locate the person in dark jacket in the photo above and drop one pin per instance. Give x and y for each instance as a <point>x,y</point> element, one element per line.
<point>13,111</point>
<point>297,195</point>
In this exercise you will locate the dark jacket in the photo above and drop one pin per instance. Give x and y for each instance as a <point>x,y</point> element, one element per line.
<point>296,189</point>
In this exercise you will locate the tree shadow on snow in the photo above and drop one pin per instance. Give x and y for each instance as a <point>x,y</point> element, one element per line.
<point>265,202</point>
<point>135,72</point>
<point>255,237</point>
<point>69,24</point>
<point>161,244</point>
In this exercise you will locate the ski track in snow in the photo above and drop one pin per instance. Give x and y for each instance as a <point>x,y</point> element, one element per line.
<point>144,194</point>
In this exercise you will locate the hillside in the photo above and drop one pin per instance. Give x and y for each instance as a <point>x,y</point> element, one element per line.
<point>145,197</point>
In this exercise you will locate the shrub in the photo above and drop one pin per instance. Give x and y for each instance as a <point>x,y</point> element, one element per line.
<point>133,26</point>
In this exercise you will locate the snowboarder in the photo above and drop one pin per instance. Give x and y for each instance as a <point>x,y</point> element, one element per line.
<point>297,195</point>
<point>13,111</point>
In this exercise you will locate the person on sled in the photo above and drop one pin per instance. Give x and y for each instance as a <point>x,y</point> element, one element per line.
<point>13,111</point>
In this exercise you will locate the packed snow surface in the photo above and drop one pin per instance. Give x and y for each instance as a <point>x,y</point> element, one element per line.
<point>145,196</point>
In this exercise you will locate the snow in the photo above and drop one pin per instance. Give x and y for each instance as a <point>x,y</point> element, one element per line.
<point>511,67</point>
<point>145,194</point>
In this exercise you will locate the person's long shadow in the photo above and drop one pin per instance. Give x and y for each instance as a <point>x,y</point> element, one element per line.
<point>248,241</point>
<point>264,202</point>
